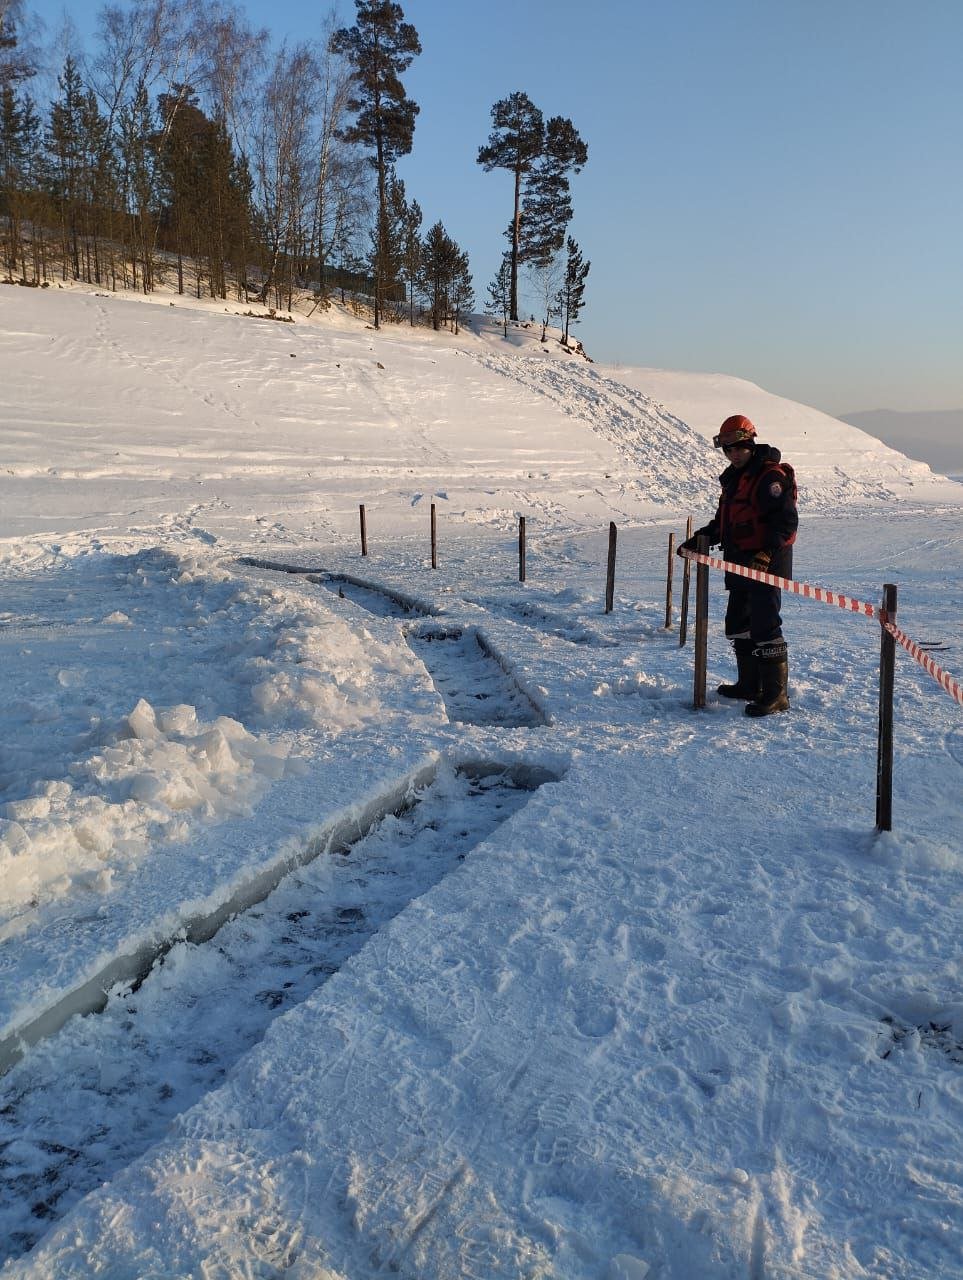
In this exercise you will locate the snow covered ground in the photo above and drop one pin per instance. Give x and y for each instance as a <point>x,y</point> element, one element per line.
<point>434,934</point>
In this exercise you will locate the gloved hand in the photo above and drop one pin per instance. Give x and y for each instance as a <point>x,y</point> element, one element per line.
<point>690,543</point>
<point>760,560</point>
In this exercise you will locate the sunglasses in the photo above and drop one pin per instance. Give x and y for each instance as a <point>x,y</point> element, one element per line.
<point>736,448</point>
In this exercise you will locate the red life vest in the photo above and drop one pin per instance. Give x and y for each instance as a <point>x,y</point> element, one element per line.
<point>742,524</point>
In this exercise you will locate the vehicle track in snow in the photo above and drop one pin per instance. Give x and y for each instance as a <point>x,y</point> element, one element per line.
<point>373,599</point>
<point>85,1103</point>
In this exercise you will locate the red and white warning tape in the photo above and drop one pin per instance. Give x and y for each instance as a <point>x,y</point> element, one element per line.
<point>787,584</point>
<point>953,687</point>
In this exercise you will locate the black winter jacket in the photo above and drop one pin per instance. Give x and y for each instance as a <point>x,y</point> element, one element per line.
<point>757,508</point>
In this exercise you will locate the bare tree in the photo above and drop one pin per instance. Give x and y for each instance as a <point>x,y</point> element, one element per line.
<point>282,162</point>
<point>342,185</point>
<point>231,55</point>
<point>18,35</point>
<point>168,51</point>
<point>545,281</point>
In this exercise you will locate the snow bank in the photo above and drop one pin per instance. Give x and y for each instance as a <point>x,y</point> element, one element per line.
<point>101,764</point>
<point>159,770</point>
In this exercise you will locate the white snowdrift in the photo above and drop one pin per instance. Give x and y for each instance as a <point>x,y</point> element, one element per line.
<point>103,765</point>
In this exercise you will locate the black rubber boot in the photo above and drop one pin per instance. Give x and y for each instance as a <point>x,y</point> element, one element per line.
<point>747,685</point>
<point>773,661</point>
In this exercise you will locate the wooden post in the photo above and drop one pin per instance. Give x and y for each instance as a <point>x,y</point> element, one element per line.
<point>686,575</point>
<point>701,628</point>
<point>434,539</point>
<point>521,548</point>
<point>884,748</point>
<point>610,570</point>
<point>364,532</point>
<point>668,582</point>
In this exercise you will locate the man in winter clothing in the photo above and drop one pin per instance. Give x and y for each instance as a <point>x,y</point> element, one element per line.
<point>755,523</point>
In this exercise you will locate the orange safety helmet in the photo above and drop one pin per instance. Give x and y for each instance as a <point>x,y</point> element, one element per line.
<point>735,430</point>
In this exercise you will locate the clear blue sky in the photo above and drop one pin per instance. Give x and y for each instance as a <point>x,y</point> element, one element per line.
<point>774,187</point>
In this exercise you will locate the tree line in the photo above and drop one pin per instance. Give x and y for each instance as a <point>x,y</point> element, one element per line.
<point>186,146</point>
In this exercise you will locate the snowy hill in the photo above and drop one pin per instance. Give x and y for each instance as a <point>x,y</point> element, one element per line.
<point>841,465</point>
<point>423,926</point>
<point>254,429</point>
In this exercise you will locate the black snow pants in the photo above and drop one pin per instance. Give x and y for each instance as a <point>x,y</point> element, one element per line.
<point>754,607</point>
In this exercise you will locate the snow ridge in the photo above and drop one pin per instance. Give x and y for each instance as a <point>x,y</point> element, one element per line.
<point>674,466</point>
<point>669,456</point>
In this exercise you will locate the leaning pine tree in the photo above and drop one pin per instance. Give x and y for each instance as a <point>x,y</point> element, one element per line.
<point>379,47</point>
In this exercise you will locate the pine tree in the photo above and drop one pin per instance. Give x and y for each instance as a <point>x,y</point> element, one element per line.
<point>437,264</point>
<point>547,202</point>
<point>500,292</point>
<point>140,138</point>
<point>24,185</point>
<point>396,253</point>
<point>380,46</point>
<point>446,278</point>
<point>462,292</point>
<point>224,205</point>
<point>571,294</point>
<point>406,225</point>
<point>179,172</point>
<point>206,193</point>
<point>239,227</point>
<point>65,146</point>
<point>14,158</point>
<point>515,143</point>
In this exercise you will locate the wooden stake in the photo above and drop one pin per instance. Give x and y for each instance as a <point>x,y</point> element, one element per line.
<point>686,575</point>
<point>364,532</point>
<point>521,548</point>
<point>701,628</point>
<point>668,582</point>
<point>884,748</point>
<point>610,572</point>
<point>434,539</point>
